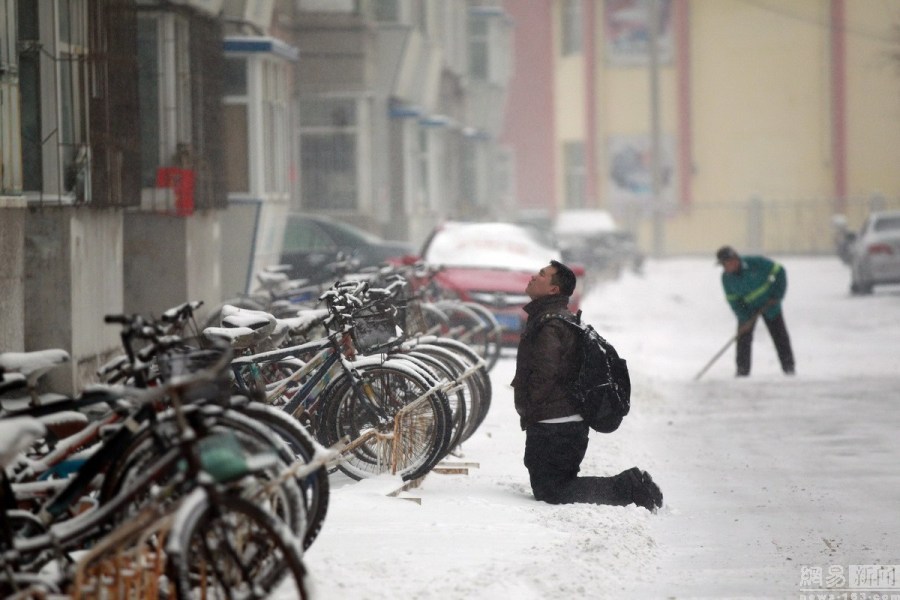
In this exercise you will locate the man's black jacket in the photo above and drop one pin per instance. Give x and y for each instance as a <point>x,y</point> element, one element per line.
<point>545,363</point>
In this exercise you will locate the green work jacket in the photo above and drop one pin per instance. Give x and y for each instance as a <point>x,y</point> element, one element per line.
<point>758,281</point>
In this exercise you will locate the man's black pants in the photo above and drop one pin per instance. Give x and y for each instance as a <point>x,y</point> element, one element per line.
<point>553,455</point>
<point>778,331</point>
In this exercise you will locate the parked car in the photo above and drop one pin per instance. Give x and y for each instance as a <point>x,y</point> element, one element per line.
<point>311,243</point>
<point>875,253</point>
<point>491,263</point>
<point>592,238</point>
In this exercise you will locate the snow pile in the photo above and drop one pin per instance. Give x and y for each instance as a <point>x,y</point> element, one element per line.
<point>763,476</point>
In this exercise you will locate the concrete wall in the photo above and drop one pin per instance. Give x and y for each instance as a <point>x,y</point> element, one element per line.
<point>767,131</point>
<point>73,277</point>
<point>170,260</point>
<point>12,273</point>
<point>789,102</point>
<point>873,89</point>
<point>529,125</point>
<point>238,227</point>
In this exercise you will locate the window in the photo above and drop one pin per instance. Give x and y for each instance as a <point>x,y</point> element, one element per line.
<point>30,93</point>
<point>424,172</point>
<point>275,125</point>
<point>331,6</point>
<point>10,131</point>
<point>490,44</point>
<point>237,134</point>
<point>387,11</point>
<point>52,57</point>
<point>571,27</point>
<point>576,177</point>
<point>328,153</point>
<point>165,92</point>
<point>237,144</point>
<point>478,48</point>
<point>235,77</point>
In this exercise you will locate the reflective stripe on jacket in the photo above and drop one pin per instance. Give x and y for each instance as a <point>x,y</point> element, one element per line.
<point>758,281</point>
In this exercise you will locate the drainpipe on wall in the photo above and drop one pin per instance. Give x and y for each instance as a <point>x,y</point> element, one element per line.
<point>590,68</point>
<point>685,159</point>
<point>839,104</point>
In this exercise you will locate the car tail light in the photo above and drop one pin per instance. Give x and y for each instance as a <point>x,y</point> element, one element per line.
<point>880,249</point>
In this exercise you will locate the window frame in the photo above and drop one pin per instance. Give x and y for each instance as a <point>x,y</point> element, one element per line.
<point>575,170</point>
<point>172,118</point>
<point>57,104</point>
<point>349,130</point>
<point>571,33</point>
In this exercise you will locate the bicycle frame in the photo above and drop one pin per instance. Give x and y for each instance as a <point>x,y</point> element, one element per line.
<point>320,369</point>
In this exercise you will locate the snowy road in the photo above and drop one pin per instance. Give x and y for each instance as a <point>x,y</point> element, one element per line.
<point>773,485</point>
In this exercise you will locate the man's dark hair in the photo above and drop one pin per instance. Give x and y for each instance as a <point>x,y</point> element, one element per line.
<point>564,278</point>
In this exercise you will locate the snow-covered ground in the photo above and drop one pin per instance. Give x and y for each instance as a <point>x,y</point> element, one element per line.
<point>773,485</point>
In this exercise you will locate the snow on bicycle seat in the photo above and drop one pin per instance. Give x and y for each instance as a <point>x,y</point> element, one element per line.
<point>270,279</point>
<point>16,435</point>
<point>305,320</point>
<point>232,316</point>
<point>238,337</point>
<point>279,333</point>
<point>32,364</point>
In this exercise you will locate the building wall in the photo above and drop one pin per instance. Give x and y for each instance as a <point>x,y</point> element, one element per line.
<point>873,98</point>
<point>774,112</point>
<point>529,118</point>
<point>73,278</point>
<point>12,273</point>
<point>570,124</point>
<point>765,132</point>
<point>171,260</point>
<point>773,131</point>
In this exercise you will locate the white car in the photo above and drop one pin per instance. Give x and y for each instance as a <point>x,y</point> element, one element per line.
<point>592,238</point>
<point>875,257</point>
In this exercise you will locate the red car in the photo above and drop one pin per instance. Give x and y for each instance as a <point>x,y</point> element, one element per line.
<point>491,263</point>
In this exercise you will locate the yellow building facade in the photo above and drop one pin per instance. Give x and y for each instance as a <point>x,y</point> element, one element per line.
<point>766,118</point>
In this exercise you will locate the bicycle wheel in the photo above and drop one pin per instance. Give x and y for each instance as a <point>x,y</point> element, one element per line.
<point>434,321</point>
<point>395,419</point>
<point>457,396</point>
<point>227,547</point>
<point>470,325</point>
<point>470,386</point>
<point>480,376</point>
<point>315,487</point>
<point>488,336</point>
<point>151,442</point>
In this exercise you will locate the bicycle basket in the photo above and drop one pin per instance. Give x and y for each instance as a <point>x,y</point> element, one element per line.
<point>375,328</point>
<point>180,362</point>
<point>414,318</point>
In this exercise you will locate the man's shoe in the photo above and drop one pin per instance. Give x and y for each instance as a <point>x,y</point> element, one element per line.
<point>644,491</point>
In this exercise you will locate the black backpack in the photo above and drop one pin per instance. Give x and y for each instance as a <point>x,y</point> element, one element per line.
<point>602,387</point>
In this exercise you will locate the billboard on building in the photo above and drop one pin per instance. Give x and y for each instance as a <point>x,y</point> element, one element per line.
<point>628,36</point>
<point>630,174</point>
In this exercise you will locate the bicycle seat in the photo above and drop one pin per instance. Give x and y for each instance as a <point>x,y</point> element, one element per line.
<point>32,364</point>
<point>261,322</point>
<point>16,435</point>
<point>238,337</point>
<point>271,280</point>
<point>305,320</point>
